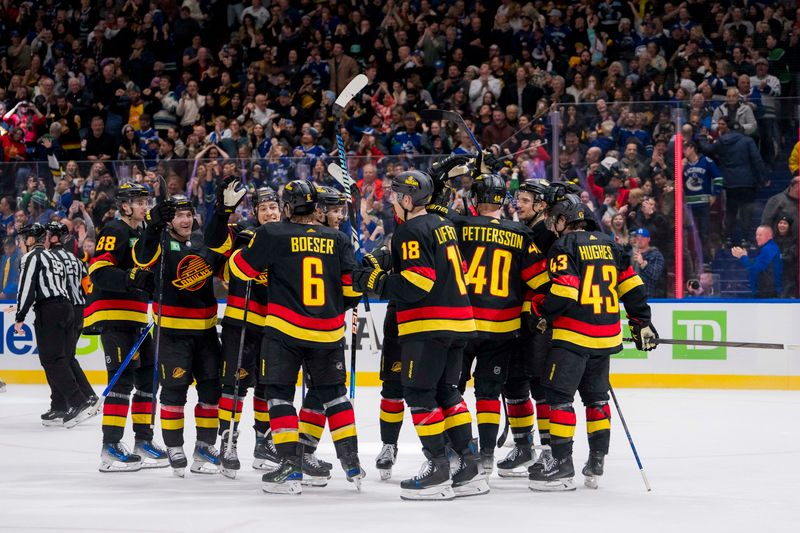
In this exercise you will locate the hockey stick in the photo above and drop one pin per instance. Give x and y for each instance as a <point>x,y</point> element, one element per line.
<point>236,381</point>
<point>726,344</point>
<point>630,439</point>
<point>113,381</point>
<point>164,239</point>
<point>504,435</point>
<point>451,116</point>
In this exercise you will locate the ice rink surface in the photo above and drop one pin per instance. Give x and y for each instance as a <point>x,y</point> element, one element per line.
<point>717,460</point>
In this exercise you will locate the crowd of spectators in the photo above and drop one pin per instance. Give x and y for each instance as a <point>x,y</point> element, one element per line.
<point>178,95</point>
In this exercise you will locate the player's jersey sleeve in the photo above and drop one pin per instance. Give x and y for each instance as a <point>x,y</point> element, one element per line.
<point>630,288</point>
<point>565,280</point>
<point>147,249</point>
<point>534,266</point>
<point>249,262</point>
<point>347,262</point>
<point>219,236</point>
<point>416,273</point>
<point>113,249</point>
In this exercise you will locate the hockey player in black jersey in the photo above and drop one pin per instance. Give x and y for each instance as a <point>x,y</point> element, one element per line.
<point>116,308</point>
<point>190,349</point>
<point>590,276</point>
<point>330,206</point>
<point>434,320</point>
<point>310,287</point>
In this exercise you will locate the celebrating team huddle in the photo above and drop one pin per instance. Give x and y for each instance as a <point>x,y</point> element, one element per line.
<point>529,309</point>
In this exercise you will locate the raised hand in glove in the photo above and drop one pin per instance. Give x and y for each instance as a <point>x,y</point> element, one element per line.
<point>141,280</point>
<point>379,259</point>
<point>161,215</point>
<point>229,194</point>
<point>369,280</point>
<point>491,164</point>
<point>644,335</point>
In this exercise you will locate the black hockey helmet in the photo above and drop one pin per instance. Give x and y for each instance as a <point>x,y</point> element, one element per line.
<point>607,170</point>
<point>34,230</point>
<point>489,189</point>
<point>573,211</point>
<point>129,191</point>
<point>300,196</point>
<point>182,203</point>
<point>329,197</point>
<point>414,184</point>
<point>263,194</point>
<point>536,188</point>
<point>56,228</point>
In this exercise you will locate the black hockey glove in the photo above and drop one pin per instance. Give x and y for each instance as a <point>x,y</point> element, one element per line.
<point>380,258</point>
<point>536,322</point>
<point>229,194</point>
<point>369,280</point>
<point>141,280</point>
<point>161,215</point>
<point>243,238</point>
<point>492,164</point>
<point>644,335</point>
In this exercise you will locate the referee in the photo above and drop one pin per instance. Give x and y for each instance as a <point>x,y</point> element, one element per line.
<point>76,271</point>
<point>43,286</point>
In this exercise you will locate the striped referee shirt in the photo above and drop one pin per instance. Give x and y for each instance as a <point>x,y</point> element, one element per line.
<point>42,275</point>
<point>76,271</point>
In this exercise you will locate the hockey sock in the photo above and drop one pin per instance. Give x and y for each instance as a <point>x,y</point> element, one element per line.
<point>142,414</point>
<point>260,414</point>
<point>312,425</point>
<point>342,420</point>
<point>283,420</point>
<point>562,430</point>
<point>488,415</point>
<point>226,411</point>
<point>172,424</point>
<point>543,421</point>
<point>206,419</point>
<point>520,419</point>
<point>391,419</point>
<point>430,428</point>
<point>115,415</point>
<point>458,424</point>
<point>598,426</point>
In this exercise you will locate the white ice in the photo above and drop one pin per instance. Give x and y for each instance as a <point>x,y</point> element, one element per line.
<point>717,460</point>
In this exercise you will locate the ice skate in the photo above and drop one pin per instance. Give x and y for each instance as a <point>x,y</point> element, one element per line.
<point>386,460</point>
<point>557,476</point>
<point>470,477</point>
<point>2,386</point>
<point>153,455</point>
<point>229,456</point>
<point>431,483</point>
<point>77,414</point>
<point>285,479</point>
<point>544,459</point>
<point>593,469</point>
<point>53,418</point>
<point>265,456</point>
<point>177,460</point>
<point>351,465</point>
<point>314,472</point>
<point>115,457</point>
<point>324,464</point>
<point>516,462</point>
<point>206,459</point>
<point>487,461</point>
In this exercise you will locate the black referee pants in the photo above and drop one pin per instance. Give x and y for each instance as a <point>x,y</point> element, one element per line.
<point>54,327</point>
<point>58,402</point>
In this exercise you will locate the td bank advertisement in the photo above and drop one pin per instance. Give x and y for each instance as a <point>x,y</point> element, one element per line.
<point>667,366</point>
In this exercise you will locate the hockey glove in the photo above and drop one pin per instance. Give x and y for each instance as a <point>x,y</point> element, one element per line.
<point>141,280</point>
<point>644,335</point>
<point>492,164</point>
<point>369,280</point>
<point>536,322</point>
<point>243,238</point>
<point>161,215</point>
<point>229,195</point>
<point>380,258</point>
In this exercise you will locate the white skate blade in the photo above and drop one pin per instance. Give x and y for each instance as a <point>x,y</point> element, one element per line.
<point>442,492</point>
<point>556,485</point>
<point>264,464</point>
<point>314,481</point>
<point>57,423</point>
<point>385,473</point>
<point>96,406</point>
<point>203,467</point>
<point>83,416</point>
<point>119,466</point>
<point>476,487</point>
<point>228,473</point>
<point>520,471</point>
<point>150,462</point>
<point>287,487</point>
<point>591,481</point>
<point>179,472</point>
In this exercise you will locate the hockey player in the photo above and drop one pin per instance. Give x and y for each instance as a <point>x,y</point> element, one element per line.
<point>117,300</point>
<point>266,209</point>
<point>502,259</point>
<point>434,319</point>
<point>590,276</point>
<point>330,207</point>
<point>190,349</point>
<point>309,289</point>
<point>43,288</point>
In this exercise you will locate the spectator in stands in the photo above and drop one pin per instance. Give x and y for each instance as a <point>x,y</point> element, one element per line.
<point>9,269</point>
<point>784,204</point>
<point>648,262</point>
<point>98,145</point>
<point>739,117</point>
<point>788,244</point>
<point>702,181</point>
<point>765,270</point>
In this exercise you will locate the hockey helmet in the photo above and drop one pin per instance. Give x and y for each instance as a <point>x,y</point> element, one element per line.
<point>300,196</point>
<point>35,230</point>
<point>182,203</point>
<point>129,191</point>
<point>489,189</point>
<point>536,188</point>
<point>56,228</point>
<point>572,210</point>
<point>261,195</point>
<point>329,197</point>
<point>414,184</point>
<point>607,170</point>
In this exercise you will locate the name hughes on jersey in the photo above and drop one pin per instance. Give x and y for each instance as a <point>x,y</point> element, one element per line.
<point>319,245</point>
<point>595,251</point>
<point>495,235</point>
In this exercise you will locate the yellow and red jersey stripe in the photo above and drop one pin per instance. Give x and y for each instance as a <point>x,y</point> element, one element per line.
<point>566,287</point>
<point>497,321</point>
<point>535,276</point>
<point>436,319</point>
<point>420,276</point>
<point>185,318</point>
<point>577,333</point>
<point>116,310</point>
<point>305,328</point>
<point>627,281</point>
<point>256,312</point>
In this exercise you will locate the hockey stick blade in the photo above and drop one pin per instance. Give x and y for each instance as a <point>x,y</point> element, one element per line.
<point>336,172</point>
<point>346,96</point>
<point>726,344</point>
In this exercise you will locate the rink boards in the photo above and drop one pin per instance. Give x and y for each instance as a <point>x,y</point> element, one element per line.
<point>667,366</point>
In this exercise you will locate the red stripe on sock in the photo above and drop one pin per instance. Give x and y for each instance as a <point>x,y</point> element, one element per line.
<point>284,422</point>
<point>488,406</point>
<point>427,417</point>
<point>142,408</point>
<point>316,418</point>
<point>115,409</point>
<point>392,406</point>
<point>456,409</point>
<point>565,418</point>
<point>206,412</point>
<point>518,410</point>
<point>344,418</point>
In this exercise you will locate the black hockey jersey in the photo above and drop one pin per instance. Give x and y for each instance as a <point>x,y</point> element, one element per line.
<point>310,282</point>
<point>108,301</point>
<point>189,306</point>
<point>428,281</point>
<point>590,276</point>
